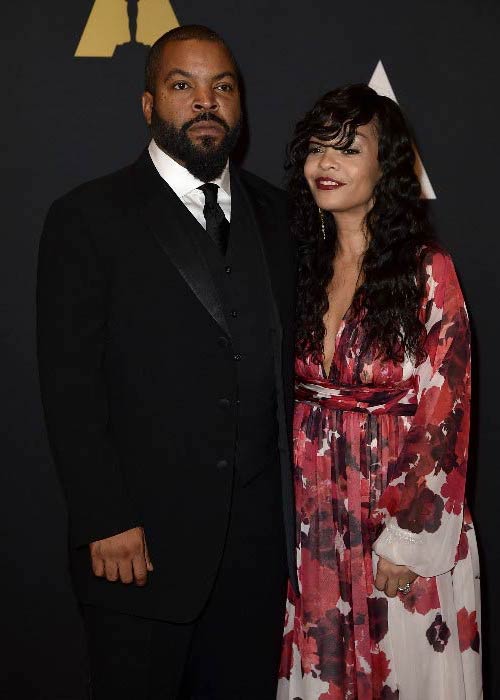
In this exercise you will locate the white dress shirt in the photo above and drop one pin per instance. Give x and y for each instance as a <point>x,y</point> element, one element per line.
<point>186,185</point>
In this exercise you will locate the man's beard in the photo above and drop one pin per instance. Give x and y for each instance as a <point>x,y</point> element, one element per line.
<point>206,161</point>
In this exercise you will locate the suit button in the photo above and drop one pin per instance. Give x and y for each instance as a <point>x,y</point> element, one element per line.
<point>224,403</point>
<point>237,357</point>
<point>234,313</point>
<point>222,464</point>
<point>227,269</point>
<point>222,342</point>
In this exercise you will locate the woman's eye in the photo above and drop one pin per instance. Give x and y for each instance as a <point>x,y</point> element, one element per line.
<point>180,85</point>
<point>350,151</point>
<point>314,148</point>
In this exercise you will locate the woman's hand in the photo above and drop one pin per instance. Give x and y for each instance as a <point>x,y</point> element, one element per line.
<point>391,576</point>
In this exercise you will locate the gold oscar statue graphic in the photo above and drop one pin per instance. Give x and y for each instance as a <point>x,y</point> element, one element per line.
<point>116,26</point>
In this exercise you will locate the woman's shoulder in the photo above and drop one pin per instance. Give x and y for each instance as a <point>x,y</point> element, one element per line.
<point>435,261</point>
<point>439,275</point>
<point>433,252</point>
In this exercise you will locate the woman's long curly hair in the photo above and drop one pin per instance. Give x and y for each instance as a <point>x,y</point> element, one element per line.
<point>387,303</point>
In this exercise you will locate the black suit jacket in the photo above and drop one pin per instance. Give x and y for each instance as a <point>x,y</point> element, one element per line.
<point>134,355</point>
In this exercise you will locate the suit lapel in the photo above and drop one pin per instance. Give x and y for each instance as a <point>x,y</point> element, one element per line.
<point>170,223</point>
<point>265,227</point>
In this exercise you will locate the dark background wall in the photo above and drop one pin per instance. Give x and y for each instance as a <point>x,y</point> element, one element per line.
<point>67,119</point>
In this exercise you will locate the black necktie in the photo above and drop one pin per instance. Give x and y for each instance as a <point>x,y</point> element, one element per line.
<point>217,224</point>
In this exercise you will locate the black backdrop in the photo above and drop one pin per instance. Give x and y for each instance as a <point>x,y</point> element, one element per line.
<point>67,119</point>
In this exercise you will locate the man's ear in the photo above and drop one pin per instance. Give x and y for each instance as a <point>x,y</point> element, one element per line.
<point>147,106</point>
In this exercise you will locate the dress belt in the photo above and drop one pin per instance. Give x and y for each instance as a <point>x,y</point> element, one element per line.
<point>396,399</point>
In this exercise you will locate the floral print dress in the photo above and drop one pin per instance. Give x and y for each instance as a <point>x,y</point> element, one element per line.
<point>380,463</point>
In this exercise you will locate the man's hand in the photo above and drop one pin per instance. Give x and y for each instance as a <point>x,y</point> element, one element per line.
<point>123,557</point>
<point>390,576</point>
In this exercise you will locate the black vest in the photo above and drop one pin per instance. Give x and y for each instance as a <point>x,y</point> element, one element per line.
<point>242,280</point>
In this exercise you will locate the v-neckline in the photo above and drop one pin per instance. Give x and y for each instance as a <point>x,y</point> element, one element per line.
<point>340,330</point>
<point>338,335</point>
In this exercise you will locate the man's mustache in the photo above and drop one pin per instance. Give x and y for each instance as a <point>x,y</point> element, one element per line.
<point>205,117</point>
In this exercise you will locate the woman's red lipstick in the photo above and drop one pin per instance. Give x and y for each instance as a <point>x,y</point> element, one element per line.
<point>327,183</point>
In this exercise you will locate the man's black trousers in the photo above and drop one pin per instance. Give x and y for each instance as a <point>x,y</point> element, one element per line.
<point>232,651</point>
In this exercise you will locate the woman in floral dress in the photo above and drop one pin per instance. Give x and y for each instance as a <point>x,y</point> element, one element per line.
<point>387,559</point>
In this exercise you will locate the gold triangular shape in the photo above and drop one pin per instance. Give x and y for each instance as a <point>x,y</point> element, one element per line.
<point>108,25</point>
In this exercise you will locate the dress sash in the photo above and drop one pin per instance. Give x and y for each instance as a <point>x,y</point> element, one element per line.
<point>396,399</point>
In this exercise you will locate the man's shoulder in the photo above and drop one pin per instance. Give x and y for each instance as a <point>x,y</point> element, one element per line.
<point>262,187</point>
<point>105,191</point>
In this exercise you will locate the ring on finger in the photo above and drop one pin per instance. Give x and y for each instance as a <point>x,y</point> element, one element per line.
<point>405,589</point>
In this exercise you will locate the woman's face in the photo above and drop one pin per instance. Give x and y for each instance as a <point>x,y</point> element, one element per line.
<point>343,179</point>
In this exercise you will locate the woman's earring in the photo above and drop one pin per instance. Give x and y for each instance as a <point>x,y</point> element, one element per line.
<point>322,218</point>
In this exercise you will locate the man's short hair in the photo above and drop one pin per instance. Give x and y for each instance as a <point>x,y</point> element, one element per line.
<point>185,33</point>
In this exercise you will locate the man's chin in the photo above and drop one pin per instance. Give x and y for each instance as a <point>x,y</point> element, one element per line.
<point>205,144</point>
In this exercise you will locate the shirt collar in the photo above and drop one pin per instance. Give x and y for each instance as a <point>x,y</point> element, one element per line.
<point>178,177</point>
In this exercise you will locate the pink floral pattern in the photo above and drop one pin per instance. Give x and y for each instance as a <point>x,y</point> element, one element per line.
<point>380,465</point>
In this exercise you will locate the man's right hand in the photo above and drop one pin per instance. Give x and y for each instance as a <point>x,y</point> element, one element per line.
<point>123,557</point>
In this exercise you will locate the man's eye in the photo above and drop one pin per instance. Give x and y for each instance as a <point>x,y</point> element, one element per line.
<point>180,85</point>
<point>224,87</point>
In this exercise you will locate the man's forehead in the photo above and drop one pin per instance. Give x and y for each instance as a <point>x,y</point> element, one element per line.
<point>192,54</point>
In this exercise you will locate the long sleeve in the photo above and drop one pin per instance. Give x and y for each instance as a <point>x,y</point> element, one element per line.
<point>71,330</point>
<point>422,506</point>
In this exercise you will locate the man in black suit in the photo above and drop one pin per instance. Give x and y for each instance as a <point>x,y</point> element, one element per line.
<point>165,314</point>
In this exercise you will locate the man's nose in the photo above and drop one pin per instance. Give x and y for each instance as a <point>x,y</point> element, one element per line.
<point>204,100</point>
